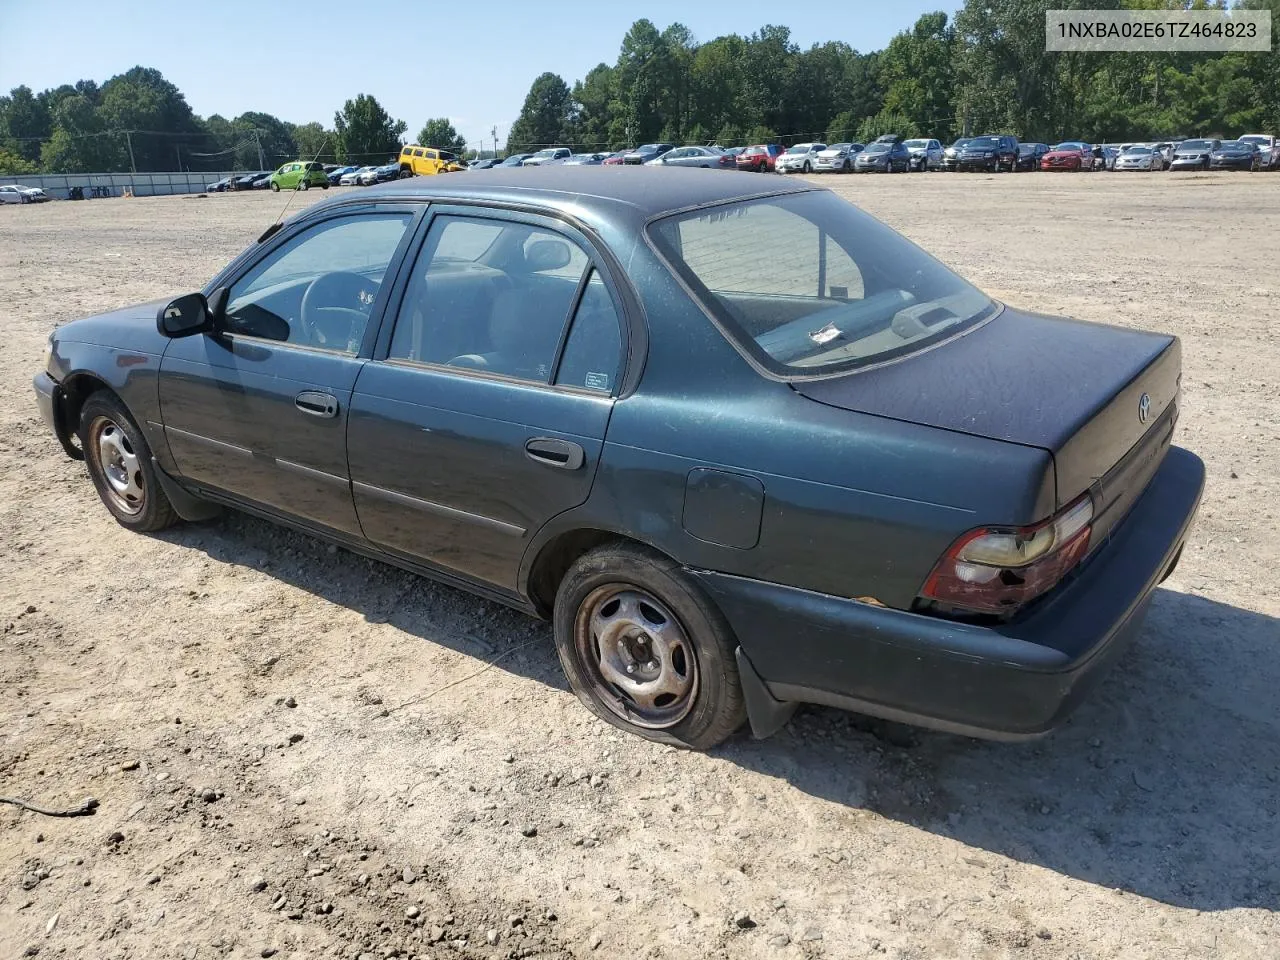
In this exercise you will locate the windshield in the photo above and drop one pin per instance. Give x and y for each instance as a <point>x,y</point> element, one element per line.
<point>985,142</point>
<point>1137,149</point>
<point>1233,145</point>
<point>1069,146</point>
<point>545,154</point>
<point>915,143</point>
<point>879,148</point>
<point>1195,145</point>
<point>837,147</point>
<point>1259,140</point>
<point>799,148</point>
<point>959,144</point>
<point>838,290</point>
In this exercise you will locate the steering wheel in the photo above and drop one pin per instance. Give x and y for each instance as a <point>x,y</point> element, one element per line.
<point>335,309</point>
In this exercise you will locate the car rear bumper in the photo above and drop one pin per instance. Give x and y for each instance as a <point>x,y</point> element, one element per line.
<point>1010,682</point>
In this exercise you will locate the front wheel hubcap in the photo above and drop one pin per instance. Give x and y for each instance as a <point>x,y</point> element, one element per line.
<point>120,466</point>
<point>639,661</point>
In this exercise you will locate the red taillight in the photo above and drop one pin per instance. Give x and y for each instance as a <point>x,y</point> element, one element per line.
<point>999,569</point>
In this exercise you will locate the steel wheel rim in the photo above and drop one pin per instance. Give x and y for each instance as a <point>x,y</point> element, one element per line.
<point>638,659</point>
<point>119,465</point>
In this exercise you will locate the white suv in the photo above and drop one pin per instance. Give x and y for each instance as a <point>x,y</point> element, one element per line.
<point>799,159</point>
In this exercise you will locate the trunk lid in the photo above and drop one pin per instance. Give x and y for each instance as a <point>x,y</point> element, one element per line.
<point>1072,388</point>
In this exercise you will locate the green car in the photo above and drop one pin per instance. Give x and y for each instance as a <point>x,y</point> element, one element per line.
<point>299,175</point>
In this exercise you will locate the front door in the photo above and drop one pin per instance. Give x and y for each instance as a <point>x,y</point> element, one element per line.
<point>484,414</point>
<point>259,411</point>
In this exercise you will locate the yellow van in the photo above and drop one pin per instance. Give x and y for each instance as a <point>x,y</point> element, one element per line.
<point>427,160</point>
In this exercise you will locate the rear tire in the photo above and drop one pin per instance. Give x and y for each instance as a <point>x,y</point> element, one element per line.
<point>304,185</point>
<point>119,463</point>
<point>645,650</point>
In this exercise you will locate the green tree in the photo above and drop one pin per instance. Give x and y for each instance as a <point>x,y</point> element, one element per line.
<point>595,108</point>
<point>12,163</point>
<point>80,143</point>
<point>24,122</point>
<point>439,132</point>
<point>843,126</point>
<point>274,135</point>
<point>918,74</point>
<point>546,117</point>
<point>717,85</point>
<point>143,101</point>
<point>366,133</point>
<point>642,81</point>
<point>315,142</point>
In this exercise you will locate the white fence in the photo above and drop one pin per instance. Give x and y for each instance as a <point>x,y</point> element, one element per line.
<point>59,185</point>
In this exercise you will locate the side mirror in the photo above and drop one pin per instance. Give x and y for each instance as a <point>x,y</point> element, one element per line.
<point>185,316</point>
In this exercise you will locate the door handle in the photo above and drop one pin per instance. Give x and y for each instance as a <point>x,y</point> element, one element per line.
<point>555,453</point>
<point>316,403</point>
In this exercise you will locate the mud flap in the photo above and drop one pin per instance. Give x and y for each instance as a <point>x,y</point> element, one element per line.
<point>186,504</point>
<point>766,713</point>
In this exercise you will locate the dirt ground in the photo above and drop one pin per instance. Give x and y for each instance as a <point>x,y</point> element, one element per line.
<point>295,756</point>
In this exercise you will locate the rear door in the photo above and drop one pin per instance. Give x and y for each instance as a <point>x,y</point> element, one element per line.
<point>484,411</point>
<point>259,411</point>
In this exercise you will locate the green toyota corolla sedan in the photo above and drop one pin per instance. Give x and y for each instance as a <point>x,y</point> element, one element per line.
<point>299,175</point>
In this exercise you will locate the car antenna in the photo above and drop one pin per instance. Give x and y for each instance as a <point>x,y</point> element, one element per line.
<point>279,222</point>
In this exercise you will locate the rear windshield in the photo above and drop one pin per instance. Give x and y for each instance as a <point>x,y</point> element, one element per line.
<point>835,289</point>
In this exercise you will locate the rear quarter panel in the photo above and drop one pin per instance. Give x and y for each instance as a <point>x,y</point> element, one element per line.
<point>853,505</point>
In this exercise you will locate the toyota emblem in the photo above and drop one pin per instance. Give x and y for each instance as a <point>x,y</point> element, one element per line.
<point>1144,408</point>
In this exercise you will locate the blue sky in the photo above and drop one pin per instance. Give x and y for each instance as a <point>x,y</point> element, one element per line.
<point>469,60</point>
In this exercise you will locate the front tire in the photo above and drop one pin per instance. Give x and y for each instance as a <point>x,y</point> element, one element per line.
<point>119,463</point>
<point>275,187</point>
<point>645,650</point>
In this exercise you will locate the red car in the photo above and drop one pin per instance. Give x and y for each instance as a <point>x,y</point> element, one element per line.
<point>614,159</point>
<point>1073,155</point>
<point>760,157</point>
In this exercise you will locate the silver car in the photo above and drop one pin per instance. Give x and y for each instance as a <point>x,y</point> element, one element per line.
<point>800,158</point>
<point>552,156</point>
<point>1139,157</point>
<point>710,157</point>
<point>925,154</point>
<point>17,193</point>
<point>585,160</point>
<point>1193,154</point>
<point>837,158</point>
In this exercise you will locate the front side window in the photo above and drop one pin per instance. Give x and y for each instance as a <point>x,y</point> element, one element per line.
<point>318,288</point>
<point>490,295</point>
<point>835,289</point>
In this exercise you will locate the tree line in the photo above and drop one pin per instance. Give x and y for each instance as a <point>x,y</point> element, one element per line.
<point>140,121</point>
<point>984,71</point>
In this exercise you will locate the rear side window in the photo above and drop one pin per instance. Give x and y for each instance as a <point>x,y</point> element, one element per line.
<point>489,295</point>
<point>832,290</point>
<point>593,352</point>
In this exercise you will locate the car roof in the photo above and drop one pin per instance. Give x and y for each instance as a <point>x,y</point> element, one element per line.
<point>597,193</point>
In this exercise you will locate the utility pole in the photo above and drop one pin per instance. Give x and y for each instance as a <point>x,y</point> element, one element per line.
<point>178,148</point>
<point>494,131</point>
<point>128,139</point>
<point>262,163</point>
